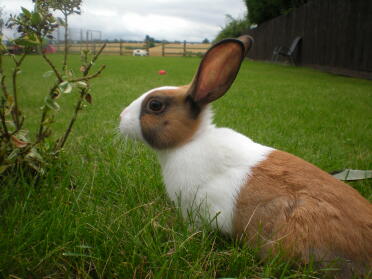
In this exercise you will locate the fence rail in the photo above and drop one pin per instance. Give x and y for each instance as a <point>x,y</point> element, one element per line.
<point>337,36</point>
<point>123,48</point>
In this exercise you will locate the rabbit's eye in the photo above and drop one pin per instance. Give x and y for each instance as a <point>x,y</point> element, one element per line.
<point>155,105</point>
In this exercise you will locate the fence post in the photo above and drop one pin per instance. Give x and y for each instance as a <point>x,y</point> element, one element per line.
<point>163,48</point>
<point>81,39</point>
<point>87,39</point>
<point>184,48</point>
<point>147,47</point>
<point>58,40</point>
<point>121,47</point>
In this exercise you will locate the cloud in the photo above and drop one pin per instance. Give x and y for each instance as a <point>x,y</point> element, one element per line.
<point>191,20</point>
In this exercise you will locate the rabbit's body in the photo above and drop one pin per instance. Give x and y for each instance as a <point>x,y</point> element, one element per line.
<point>290,204</point>
<point>210,183</point>
<point>261,195</point>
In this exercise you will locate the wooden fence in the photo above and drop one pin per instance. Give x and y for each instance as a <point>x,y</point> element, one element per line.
<point>337,36</point>
<point>184,49</point>
<point>122,48</point>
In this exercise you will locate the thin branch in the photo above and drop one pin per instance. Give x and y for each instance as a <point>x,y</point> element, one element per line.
<point>3,87</point>
<point>15,73</point>
<point>43,116</point>
<point>41,126</point>
<point>83,93</point>
<point>62,141</point>
<point>19,62</point>
<point>89,77</point>
<point>58,75</point>
<point>94,59</point>
<point>2,116</point>
<point>64,67</point>
<point>15,111</point>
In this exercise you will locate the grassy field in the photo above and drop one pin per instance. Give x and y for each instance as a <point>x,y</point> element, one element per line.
<point>102,212</point>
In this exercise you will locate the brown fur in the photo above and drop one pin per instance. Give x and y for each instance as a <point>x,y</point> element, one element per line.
<point>291,204</point>
<point>175,126</point>
<point>180,120</point>
<point>218,69</point>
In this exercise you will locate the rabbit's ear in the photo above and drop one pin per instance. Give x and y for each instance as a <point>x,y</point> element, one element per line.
<point>218,69</point>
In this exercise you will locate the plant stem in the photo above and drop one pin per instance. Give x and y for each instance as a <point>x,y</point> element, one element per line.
<point>43,115</point>
<point>58,75</point>
<point>15,112</point>
<point>41,127</point>
<point>83,92</point>
<point>5,92</point>
<point>2,81</point>
<point>89,77</point>
<point>94,59</point>
<point>2,116</point>
<point>62,141</point>
<point>66,44</point>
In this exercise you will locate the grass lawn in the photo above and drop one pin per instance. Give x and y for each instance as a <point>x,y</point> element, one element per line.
<point>102,211</point>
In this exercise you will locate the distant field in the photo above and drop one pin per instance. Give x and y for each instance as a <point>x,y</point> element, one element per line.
<point>127,48</point>
<point>102,210</point>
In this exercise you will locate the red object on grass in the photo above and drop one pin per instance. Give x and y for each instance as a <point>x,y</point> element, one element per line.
<point>50,49</point>
<point>162,72</point>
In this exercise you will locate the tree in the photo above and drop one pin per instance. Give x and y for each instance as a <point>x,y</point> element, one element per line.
<point>2,21</point>
<point>233,28</point>
<point>149,41</point>
<point>66,7</point>
<point>205,41</point>
<point>262,10</point>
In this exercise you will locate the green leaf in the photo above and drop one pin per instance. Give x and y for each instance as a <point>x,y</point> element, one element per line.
<point>34,154</point>
<point>28,40</point>
<point>51,103</point>
<point>9,100</point>
<point>3,168</point>
<point>36,166</point>
<point>36,18</point>
<point>48,74</point>
<point>26,12</point>
<point>65,87</point>
<point>82,84</point>
<point>13,154</point>
<point>10,124</point>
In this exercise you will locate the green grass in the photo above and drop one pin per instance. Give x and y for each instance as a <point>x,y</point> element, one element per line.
<point>102,212</point>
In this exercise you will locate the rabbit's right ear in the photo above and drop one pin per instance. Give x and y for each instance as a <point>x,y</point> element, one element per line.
<point>218,69</point>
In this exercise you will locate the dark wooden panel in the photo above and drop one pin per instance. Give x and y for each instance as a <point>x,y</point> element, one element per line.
<point>336,34</point>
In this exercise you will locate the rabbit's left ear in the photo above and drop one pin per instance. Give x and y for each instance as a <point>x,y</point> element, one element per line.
<point>218,69</point>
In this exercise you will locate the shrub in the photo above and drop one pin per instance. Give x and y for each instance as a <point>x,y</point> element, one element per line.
<point>233,28</point>
<point>17,148</point>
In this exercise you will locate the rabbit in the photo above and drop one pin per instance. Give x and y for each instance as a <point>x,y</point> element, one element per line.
<point>249,191</point>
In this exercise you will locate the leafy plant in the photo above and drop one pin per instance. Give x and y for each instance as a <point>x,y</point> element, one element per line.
<point>263,10</point>
<point>66,7</point>
<point>17,149</point>
<point>233,28</point>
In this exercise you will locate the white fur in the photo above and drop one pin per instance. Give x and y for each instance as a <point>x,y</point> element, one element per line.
<point>207,173</point>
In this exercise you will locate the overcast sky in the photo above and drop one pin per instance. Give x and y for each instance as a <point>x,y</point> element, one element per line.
<point>191,20</point>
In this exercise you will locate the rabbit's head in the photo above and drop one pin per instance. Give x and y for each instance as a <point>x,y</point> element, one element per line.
<point>168,117</point>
